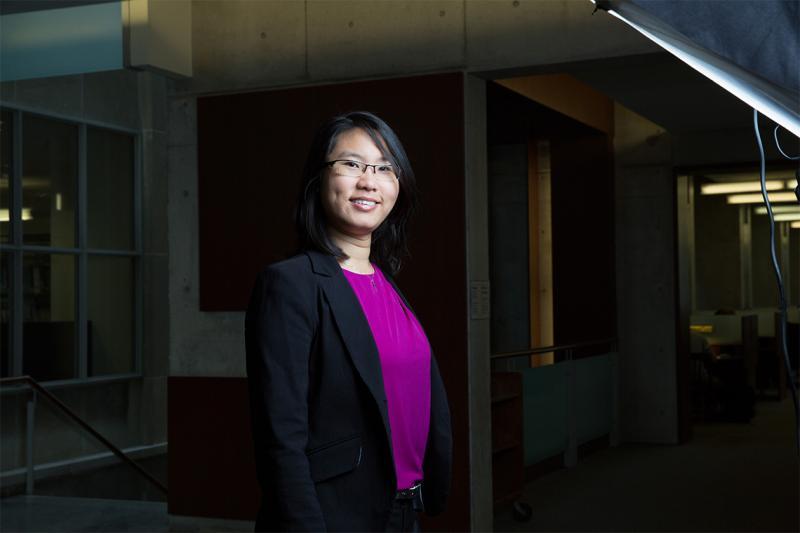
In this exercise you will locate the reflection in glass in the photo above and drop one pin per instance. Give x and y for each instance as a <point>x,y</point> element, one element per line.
<point>110,306</point>
<point>110,189</point>
<point>5,315</point>
<point>6,162</point>
<point>48,314</point>
<point>49,178</point>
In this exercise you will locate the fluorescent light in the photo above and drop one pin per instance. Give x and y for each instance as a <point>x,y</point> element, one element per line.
<point>795,225</point>
<point>791,184</point>
<point>741,186</point>
<point>5,216</point>
<point>758,199</point>
<point>58,201</point>
<point>783,217</point>
<point>778,209</point>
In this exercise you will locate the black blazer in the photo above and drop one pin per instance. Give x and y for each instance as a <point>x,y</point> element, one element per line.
<point>319,413</point>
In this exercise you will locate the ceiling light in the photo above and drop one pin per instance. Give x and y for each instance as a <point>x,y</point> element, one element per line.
<point>758,199</point>
<point>796,225</point>
<point>787,216</point>
<point>742,186</point>
<point>26,214</point>
<point>778,209</point>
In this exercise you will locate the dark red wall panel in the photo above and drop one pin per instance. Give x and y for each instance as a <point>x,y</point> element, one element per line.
<point>251,150</point>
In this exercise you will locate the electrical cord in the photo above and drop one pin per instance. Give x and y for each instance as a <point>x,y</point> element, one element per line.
<point>776,267</point>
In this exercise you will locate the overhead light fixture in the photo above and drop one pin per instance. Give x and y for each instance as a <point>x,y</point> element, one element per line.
<point>791,184</point>
<point>58,201</point>
<point>778,209</point>
<point>795,225</point>
<point>5,216</point>
<point>758,199</point>
<point>784,217</point>
<point>741,186</point>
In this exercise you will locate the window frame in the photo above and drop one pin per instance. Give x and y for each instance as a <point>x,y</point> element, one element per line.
<point>15,248</point>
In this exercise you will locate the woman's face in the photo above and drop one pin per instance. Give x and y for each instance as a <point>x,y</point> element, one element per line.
<point>356,205</point>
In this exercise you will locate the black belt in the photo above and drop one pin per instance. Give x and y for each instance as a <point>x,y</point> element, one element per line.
<point>413,495</point>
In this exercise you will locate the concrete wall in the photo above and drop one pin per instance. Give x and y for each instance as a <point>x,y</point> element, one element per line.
<point>646,280</point>
<point>508,225</point>
<point>131,412</point>
<point>477,240</point>
<point>239,44</point>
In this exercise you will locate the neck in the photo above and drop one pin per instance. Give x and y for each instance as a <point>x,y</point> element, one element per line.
<point>357,249</point>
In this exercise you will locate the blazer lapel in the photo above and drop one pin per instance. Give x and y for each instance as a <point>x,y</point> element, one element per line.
<point>354,327</point>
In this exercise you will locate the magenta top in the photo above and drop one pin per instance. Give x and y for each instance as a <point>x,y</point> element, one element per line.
<point>406,363</point>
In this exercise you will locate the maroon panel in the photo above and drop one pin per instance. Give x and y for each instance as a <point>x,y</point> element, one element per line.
<point>251,151</point>
<point>210,459</point>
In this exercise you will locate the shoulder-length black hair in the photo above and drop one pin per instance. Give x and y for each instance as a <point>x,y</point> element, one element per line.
<point>389,239</point>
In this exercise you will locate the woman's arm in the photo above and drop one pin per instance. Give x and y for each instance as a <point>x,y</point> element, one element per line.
<point>279,328</point>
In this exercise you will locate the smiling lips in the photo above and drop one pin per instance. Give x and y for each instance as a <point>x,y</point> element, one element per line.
<point>364,204</point>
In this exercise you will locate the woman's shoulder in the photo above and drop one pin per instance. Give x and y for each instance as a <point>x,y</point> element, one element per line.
<point>298,265</point>
<point>288,282</point>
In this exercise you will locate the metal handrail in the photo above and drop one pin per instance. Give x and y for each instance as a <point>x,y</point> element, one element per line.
<point>27,380</point>
<point>555,348</point>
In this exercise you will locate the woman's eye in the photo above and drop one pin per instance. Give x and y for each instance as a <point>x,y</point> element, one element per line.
<point>351,164</point>
<point>385,168</point>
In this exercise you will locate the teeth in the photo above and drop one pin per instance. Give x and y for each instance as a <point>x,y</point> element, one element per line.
<point>364,202</point>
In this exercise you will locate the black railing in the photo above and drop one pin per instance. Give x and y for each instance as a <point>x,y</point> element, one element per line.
<point>38,389</point>
<point>568,349</point>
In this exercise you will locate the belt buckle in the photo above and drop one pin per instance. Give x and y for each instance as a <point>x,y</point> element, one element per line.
<point>409,493</point>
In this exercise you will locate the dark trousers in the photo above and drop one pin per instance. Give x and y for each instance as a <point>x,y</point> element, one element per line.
<point>402,517</point>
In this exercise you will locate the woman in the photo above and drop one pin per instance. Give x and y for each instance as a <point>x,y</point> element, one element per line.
<point>349,413</point>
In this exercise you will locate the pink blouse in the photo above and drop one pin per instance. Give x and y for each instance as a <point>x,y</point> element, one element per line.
<point>406,363</point>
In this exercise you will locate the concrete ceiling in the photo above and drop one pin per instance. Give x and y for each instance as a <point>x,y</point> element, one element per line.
<point>666,91</point>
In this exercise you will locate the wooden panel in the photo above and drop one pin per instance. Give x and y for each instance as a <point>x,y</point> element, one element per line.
<point>584,302</point>
<point>567,95</point>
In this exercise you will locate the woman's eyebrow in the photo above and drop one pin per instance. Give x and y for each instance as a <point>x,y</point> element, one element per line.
<point>359,156</point>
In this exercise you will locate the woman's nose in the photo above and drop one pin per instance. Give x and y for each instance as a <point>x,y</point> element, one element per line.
<point>368,179</point>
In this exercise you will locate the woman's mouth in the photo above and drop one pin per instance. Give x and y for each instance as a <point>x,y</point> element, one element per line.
<point>364,205</point>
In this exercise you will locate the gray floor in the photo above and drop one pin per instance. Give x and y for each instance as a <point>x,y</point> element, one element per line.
<point>730,477</point>
<point>57,513</point>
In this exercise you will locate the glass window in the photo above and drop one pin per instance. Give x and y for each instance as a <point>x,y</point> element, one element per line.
<point>6,125</point>
<point>48,314</point>
<point>5,315</point>
<point>49,181</point>
<point>110,305</point>
<point>79,317</point>
<point>110,167</point>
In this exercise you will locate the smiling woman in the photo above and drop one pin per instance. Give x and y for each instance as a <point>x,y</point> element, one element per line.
<point>350,417</point>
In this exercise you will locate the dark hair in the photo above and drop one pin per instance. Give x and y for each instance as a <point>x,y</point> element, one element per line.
<point>388,239</point>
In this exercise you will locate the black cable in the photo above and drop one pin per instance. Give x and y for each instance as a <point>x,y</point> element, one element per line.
<point>781,291</point>
<point>778,144</point>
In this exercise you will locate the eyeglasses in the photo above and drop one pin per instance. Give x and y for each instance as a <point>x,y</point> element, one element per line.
<point>355,169</point>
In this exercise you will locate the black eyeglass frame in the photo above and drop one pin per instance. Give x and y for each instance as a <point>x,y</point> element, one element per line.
<point>363,166</point>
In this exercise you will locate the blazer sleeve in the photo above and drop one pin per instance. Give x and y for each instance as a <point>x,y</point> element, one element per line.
<point>279,330</point>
